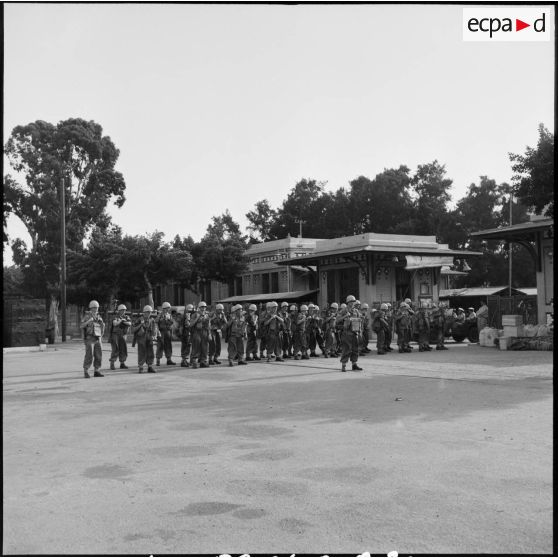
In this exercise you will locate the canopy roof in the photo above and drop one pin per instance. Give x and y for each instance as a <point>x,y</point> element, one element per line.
<point>521,231</point>
<point>278,297</point>
<point>475,292</point>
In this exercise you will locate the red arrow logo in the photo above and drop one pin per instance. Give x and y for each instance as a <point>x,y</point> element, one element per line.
<point>519,25</point>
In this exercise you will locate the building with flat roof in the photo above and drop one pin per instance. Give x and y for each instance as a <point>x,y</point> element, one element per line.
<point>380,267</point>
<point>268,278</point>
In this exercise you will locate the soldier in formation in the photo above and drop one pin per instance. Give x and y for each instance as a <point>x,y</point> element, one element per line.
<point>349,321</point>
<point>145,334</point>
<point>235,334</point>
<point>119,327</point>
<point>165,325</point>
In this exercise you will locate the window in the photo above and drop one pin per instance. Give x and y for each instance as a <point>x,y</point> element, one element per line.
<point>275,282</point>
<point>265,283</point>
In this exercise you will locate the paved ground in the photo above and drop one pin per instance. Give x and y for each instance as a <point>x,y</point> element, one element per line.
<point>280,458</point>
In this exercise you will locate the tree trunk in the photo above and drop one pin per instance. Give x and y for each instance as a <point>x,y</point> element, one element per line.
<point>149,290</point>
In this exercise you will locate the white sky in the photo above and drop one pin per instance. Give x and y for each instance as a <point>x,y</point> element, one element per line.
<point>215,107</point>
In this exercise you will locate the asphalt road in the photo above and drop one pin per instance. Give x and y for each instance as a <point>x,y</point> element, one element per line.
<point>441,452</point>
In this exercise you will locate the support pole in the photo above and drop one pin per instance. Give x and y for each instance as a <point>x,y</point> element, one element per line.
<point>63,257</point>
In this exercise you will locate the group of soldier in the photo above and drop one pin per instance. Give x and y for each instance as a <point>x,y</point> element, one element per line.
<point>274,333</point>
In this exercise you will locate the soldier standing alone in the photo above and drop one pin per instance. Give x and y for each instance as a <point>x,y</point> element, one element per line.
<point>93,327</point>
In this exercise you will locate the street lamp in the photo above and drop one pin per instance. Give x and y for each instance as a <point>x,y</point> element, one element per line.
<point>300,221</point>
<point>63,255</point>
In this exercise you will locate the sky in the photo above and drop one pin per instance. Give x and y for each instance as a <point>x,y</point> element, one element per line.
<point>215,107</point>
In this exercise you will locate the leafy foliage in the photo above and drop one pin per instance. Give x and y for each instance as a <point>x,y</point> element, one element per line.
<point>73,155</point>
<point>534,178</point>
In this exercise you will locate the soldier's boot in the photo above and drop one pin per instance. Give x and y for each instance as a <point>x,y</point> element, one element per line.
<point>297,357</point>
<point>112,367</point>
<point>215,361</point>
<point>170,362</point>
<point>249,359</point>
<point>256,357</point>
<point>97,374</point>
<point>195,364</point>
<point>421,349</point>
<point>381,352</point>
<point>150,369</point>
<point>204,365</point>
<point>279,359</point>
<point>123,366</point>
<point>343,367</point>
<point>231,362</point>
<point>313,354</point>
<point>140,370</point>
<point>242,361</point>
<point>285,355</point>
<point>158,363</point>
<point>305,356</point>
<point>86,373</point>
<point>356,367</point>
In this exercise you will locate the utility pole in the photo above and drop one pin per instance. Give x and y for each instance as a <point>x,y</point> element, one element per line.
<point>510,244</point>
<point>63,256</point>
<point>300,221</point>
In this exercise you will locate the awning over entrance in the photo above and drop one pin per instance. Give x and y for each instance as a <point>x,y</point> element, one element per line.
<point>421,262</point>
<point>278,297</point>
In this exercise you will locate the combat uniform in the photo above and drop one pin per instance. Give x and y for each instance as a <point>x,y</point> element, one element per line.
<point>439,325</point>
<point>165,323</point>
<point>120,325</point>
<point>93,328</point>
<point>251,329</point>
<point>235,335</point>
<point>200,338</point>
<point>185,338</point>
<point>350,323</point>
<point>300,348</point>
<point>422,325</point>
<point>403,328</point>
<point>145,332</point>
<point>380,327</point>
<point>218,323</point>
<point>273,324</point>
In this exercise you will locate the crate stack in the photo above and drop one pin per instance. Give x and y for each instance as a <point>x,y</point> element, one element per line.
<point>513,327</point>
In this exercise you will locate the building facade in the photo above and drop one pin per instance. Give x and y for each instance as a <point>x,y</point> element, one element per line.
<point>379,268</point>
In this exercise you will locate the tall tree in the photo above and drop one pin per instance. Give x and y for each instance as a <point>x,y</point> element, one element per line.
<point>74,156</point>
<point>534,178</point>
<point>261,220</point>
<point>431,188</point>
<point>221,252</point>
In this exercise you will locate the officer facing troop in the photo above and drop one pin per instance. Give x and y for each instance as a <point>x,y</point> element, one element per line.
<point>93,329</point>
<point>165,324</point>
<point>186,336</point>
<point>119,327</point>
<point>350,324</point>
<point>145,333</point>
<point>235,334</point>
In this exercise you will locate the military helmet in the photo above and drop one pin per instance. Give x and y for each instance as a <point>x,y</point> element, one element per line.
<point>383,306</point>
<point>122,307</point>
<point>202,303</point>
<point>284,305</point>
<point>334,305</point>
<point>189,307</point>
<point>357,302</point>
<point>460,310</point>
<point>316,308</point>
<point>388,304</point>
<point>408,301</point>
<point>252,307</point>
<point>471,308</point>
<point>93,304</point>
<point>237,307</point>
<point>303,307</point>
<point>273,304</point>
<point>350,298</point>
<point>365,306</point>
<point>293,307</point>
<point>147,308</point>
<point>343,306</point>
<point>403,305</point>
<point>219,307</point>
<point>165,305</point>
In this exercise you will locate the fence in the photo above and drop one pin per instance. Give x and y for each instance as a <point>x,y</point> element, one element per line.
<point>525,306</point>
